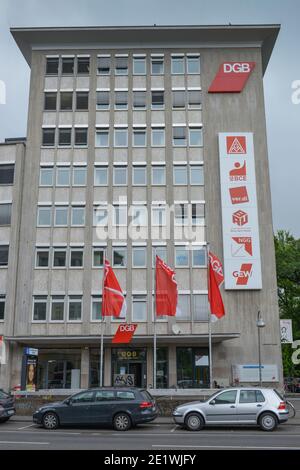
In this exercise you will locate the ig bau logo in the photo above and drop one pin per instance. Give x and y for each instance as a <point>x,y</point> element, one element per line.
<point>296,354</point>
<point>296,93</point>
<point>2,92</point>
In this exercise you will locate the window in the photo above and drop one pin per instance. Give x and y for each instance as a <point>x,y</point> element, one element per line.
<point>39,308</point>
<point>104,395</point>
<point>44,216</point>
<point>79,176</point>
<point>103,65</point>
<point>63,176</point>
<point>82,100</point>
<point>57,308</point>
<point>120,215</point>
<point>139,308</point>
<point>139,176</point>
<point>181,214</point>
<point>225,398</point>
<point>121,137</point>
<point>52,66</point>
<point>157,65</point>
<point>100,215</point>
<point>180,175</point>
<point>4,249</point>
<point>195,135</point>
<point>139,256</point>
<point>119,257</point>
<point>83,397</point>
<point>48,138</point>
<point>83,65</point>
<point>196,173</point>
<point>102,100</point>
<point>201,310</point>
<point>50,101</point>
<point>181,257</point>
<point>193,64</point>
<point>179,136</point>
<point>64,137</point>
<point>161,252</point>
<point>192,367</point>
<point>102,138</point>
<point>98,257</point>
<point>178,65</point>
<point>80,136</point>
<point>76,258</point>
<point>61,216</point>
<point>125,395</point>
<point>199,257</point>
<point>78,216</point>
<point>139,100</point>
<point>157,101</point>
<point>197,214</point>
<point>158,175</point>
<point>42,258</point>
<point>194,99</point>
<point>46,176</point>
<point>121,99</point>
<point>101,176</point>
<point>96,308</point>
<point>139,138</point>
<point>7,173</point>
<point>158,216</point>
<point>75,302</point>
<point>183,307</point>
<point>5,214</point>
<point>59,258</point>
<point>158,137</point>
<point>139,215</point>
<point>67,65</point>
<point>121,66</point>
<point>251,396</point>
<point>139,65</point>
<point>2,307</point>
<point>178,99</point>
<point>66,100</point>
<point>120,175</point>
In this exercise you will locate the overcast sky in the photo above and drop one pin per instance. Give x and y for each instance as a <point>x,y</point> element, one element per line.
<point>283,117</point>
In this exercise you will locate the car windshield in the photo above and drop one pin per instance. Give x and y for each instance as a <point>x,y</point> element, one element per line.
<point>213,395</point>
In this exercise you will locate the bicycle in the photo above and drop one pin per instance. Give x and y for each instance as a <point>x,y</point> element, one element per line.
<point>291,409</point>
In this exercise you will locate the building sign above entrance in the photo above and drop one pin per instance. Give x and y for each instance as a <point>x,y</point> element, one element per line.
<point>124,333</point>
<point>231,77</point>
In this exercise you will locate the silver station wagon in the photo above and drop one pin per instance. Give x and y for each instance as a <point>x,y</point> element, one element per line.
<point>263,407</point>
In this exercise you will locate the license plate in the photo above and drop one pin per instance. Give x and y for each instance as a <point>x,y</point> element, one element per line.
<point>10,412</point>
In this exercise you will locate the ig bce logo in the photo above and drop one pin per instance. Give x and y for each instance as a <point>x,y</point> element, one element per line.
<point>2,92</point>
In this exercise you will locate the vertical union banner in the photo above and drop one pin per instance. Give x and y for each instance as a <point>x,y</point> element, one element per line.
<point>242,261</point>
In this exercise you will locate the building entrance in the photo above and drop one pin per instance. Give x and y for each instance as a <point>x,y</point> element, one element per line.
<point>129,367</point>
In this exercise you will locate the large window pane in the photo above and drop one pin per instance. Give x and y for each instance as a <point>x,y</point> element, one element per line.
<point>101,176</point>
<point>75,308</point>
<point>178,99</point>
<point>42,258</point>
<point>79,176</point>
<point>157,65</point>
<point>82,100</point>
<point>67,65</point>
<point>78,215</point>
<point>2,307</point>
<point>39,308</point>
<point>199,257</point>
<point>61,216</point>
<point>102,138</point>
<point>48,138</point>
<point>120,176</point>
<point>197,175</point>
<point>139,138</point>
<point>102,100</point>
<point>139,65</point>
<point>81,136</point>
<point>121,137</point>
<point>59,258</point>
<point>7,174</point>
<point>139,257</point>
<point>76,258</point>
<point>52,66</point>
<point>139,308</point>
<point>179,136</point>
<point>66,100</point>
<point>97,308</point>
<point>50,101</point>
<point>181,257</point>
<point>83,65</point>
<point>157,99</point>
<point>193,64</point>
<point>64,136</point>
<point>119,257</point>
<point>63,176</point>
<point>46,176</point>
<point>180,175</point>
<point>177,65</point>
<point>139,175</point>
<point>195,99</point>
<point>57,308</point>
<point>201,310</point>
<point>158,175</point>
<point>158,137</point>
<point>121,99</point>
<point>98,257</point>
<point>121,66</point>
<point>183,307</point>
<point>103,65</point>
<point>4,249</point>
<point>196,139</point>
<point>5,214</point>
<point>139,99</point>
<point>44,216</point>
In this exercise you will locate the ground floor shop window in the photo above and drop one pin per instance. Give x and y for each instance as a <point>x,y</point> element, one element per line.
<point>162,368</point>
<point>95,367</point>
<point>129,366</point>
<point>59,369</point>
<point>192,367</point>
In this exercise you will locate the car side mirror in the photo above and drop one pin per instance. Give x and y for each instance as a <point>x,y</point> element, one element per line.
<point>68,401</point>
<point>212,402</point>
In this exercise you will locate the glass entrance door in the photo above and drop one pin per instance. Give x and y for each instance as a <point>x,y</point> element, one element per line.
<point>129,367</point>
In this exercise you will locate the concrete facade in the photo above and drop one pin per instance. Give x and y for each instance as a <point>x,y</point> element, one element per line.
<point>235,336</point>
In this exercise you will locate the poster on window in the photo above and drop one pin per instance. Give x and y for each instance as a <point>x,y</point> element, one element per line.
<point>286,331</point>
<point>31,373</point>
<point>242,262</point>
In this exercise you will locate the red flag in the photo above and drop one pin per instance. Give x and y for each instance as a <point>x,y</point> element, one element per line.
<point>215,279</point>
<point>113,302</point>
<point>166,289</point>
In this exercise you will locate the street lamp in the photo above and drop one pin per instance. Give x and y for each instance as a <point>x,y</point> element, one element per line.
<point>260,324</point>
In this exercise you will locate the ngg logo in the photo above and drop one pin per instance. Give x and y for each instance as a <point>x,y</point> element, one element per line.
<point>237,67</point>
<point>242,276</point>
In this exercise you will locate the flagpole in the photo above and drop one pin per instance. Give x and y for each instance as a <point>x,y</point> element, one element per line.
<point>102,326</point>
<point>154,336</point>
<point>209,330</point>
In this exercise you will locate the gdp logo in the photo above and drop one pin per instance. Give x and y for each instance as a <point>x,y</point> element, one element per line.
<point>231,77</point>
<point>243,276</point>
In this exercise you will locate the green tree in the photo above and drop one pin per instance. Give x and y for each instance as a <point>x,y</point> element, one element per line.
<point>287,250</point>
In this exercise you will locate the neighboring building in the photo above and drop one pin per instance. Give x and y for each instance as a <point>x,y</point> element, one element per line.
<point>122,117</point>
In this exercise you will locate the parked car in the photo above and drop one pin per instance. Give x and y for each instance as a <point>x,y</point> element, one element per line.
<point>7,406</point>
<point>234,406</point>
<point>121,408</point>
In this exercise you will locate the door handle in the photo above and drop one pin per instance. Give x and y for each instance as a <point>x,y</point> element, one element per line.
<point>259,406</point>
<point>232,406</point>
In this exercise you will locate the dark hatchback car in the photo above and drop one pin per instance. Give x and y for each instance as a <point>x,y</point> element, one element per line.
<point>7,406</point>
<point>121,408</point>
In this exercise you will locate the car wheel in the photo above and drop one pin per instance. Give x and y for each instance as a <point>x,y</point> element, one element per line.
<point>3,420</point>
<point>50,420</point>
<point>194,422</point>
<point>122,422</point>
<point>267,422</point>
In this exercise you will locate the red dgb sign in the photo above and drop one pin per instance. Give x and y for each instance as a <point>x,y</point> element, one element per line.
<point>124,333</point>
<point>231,77</point>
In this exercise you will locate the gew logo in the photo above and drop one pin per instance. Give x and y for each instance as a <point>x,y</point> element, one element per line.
<point>2,92</point>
